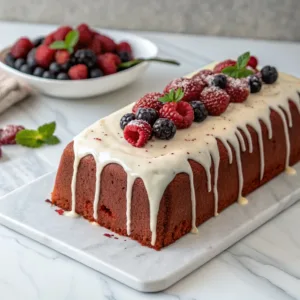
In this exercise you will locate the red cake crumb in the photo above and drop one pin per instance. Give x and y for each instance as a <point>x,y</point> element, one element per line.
<point>60,211</point>
<point>48,201</point>
<point>108,235</point>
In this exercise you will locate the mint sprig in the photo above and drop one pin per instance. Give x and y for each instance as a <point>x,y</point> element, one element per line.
<point>69,43</point>
<point>36,138</point>
<point>239,70</point>
<point>172,96</point>
<point>131,63</point>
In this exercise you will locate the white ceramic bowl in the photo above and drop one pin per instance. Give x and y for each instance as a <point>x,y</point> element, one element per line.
<point>142,48</point>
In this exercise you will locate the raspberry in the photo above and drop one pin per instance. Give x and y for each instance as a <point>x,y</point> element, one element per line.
<point>107,63</point>
<point>108,45</point>
<point>181,113</point>
<point>95,45</point>
<point>224,64</point>
<point>44,56</point>
<point>21,48</point>
<point>78,72</point>
<point>85,34</point>
<point>149,115</point>
<point>126,119</point>
<point>137,133</point>
<point>8,134</point>
<point>202,75</point>
<point>61,32</point>
<point>164,129</point>
<point>49,39</point>
<point>124,47</point>
<point>191,88</point>
<point>253,62</point>
<point>215,100</point>
<point>150,100</point>
<point>62,56</point>
<point>237,89</point>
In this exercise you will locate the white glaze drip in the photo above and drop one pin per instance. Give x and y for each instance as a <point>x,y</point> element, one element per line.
<point>241,140</point>
<point>130,182</point>
<point>249,139</point>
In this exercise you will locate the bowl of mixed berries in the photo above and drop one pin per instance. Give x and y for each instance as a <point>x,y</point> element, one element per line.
<point>78,62</point>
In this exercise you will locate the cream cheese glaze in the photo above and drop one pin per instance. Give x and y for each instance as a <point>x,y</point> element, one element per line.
<point>160,161</point>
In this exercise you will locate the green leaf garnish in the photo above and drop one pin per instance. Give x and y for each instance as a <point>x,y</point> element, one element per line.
<point>36,138</point>
<point>69,43</point>
<point>172,96</point>
<point>134,62</point>
<point>239,70</point>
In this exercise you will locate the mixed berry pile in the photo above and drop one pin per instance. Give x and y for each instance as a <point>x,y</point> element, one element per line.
<point>188,100</point>
<point>69,53</point>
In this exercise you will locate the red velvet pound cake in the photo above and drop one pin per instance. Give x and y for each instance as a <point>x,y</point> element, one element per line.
<point>169,184</point>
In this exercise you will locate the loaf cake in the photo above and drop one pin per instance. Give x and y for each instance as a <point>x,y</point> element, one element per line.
<point>164,187</point>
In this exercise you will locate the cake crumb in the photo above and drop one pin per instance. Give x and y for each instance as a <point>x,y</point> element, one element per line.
<point>60,211</point>
<point>108,235</point>
<point>48,201</point>
<point>98,139</point>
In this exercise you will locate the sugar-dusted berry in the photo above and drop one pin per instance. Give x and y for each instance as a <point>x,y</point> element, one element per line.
<point>137,133</point>
<point>237,89</point>
<point>254,83</point>
<point>150,100</point>
<point>164,129</point>
<point>200,111</point>
<point>219,80</point>
<point>149,115</point>
<point>126,119</point>
<point>8,134</point>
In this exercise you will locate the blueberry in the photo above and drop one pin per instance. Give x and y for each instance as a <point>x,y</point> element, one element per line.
<point>38,41</point>
<point>94,73</point>
<point>9,59</point>
<point>255,84</point>
<point>126,119</point>
<point>19,63</point>
<point>200,111</point>
<point>220,81</point>
<point>48,75</point>
<point>164,129</point>
<point>62,76</point>
<point>149,115</point>
<point>55,68</point>
<point>66,66</point>
<point>31,59</point>
<point>26,69</point>
<point>38,71</point>
<point>124,56</point>
<point>269,74</point>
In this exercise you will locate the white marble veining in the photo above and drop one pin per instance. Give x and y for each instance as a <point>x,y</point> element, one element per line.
<point>264,265</point>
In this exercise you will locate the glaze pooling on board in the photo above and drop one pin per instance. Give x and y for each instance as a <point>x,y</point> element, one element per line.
<point>104,141</point>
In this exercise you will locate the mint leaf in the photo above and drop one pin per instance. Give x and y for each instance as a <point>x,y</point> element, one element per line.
<point>179,94</point>
<point>172,96</point>
<point>29,138</point>
<point>164,99</point>
<point>58,45</point>
<point>52,140</point>
<point>72,39</point>
<point>47,130</point>
<point>229,70</point>
<point>243,60</point>
<point>244,73</point>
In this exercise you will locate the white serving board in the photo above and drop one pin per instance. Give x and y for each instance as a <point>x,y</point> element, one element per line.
<point>25,211</point>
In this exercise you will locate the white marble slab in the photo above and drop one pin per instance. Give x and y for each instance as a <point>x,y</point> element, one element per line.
<point>25,211</point>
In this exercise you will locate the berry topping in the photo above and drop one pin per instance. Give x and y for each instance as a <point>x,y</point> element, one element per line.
<point>137,133</point>
<point>86,57</point>
<point>9,60</point>
<point>164,129</point>
<point>237,89</point>
<point>21,48</point>
<point>78,72</point>
<point>191,88</point>
<point>38,71</point>
<point>126,119</point>
<point>254,83</point>
<point>224,64</point>
<point>200,111</point>
<point>108,45</point>
<point>220,81</point>
<point>95,73</point>
<point>8,134</point>
<point>216,100</point>
<point>62,76</point>
<point>181,113</point>
<point>150,100</point>
<point>107,63</point>
<point>61,33</point>
<point>269,74</point>
<point>62,56</point>
<point>44,56</point>
<point>253,62</point>
<point>149,115</point>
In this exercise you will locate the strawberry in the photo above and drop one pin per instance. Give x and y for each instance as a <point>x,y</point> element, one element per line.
<point>61,32</point>
<point>216,100</point>
<point>124,47</point>
<point>21,48</point>
<point>78,72</point>
<point>237,89</point>
<point>191,88</point>
<point>224,64</point>
<point>253,62</point>
<point>150,100</point>
<point>62,56</point>
<point>107,63</point>
<point>108,45</point>
<point>95,45</point>
<point>137,133</point>
<point>44,56</point>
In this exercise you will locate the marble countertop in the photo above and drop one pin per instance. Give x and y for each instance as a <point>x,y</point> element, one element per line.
<point>265,265</point>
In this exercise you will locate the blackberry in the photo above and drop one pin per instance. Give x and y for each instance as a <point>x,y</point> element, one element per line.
<point>269,74</point>
<point>149,115</point>
<point>31,62</point>
<point>124,56</point>
<point>94,73</point>
<point>26,69</point>
<point>255,84</point>
<point>48,75</point>
<point>220,81</point>
<point>200,111</point>
<point>86,57</point>
<point>9,59</point>
<point>55,68</point>
<point>62,76</point>
<point>126,119</point>
<point>164,129</point>
<point>38,41</point>
<point>19,63</point>
<point>66,66</point>
<point>38,71</point>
